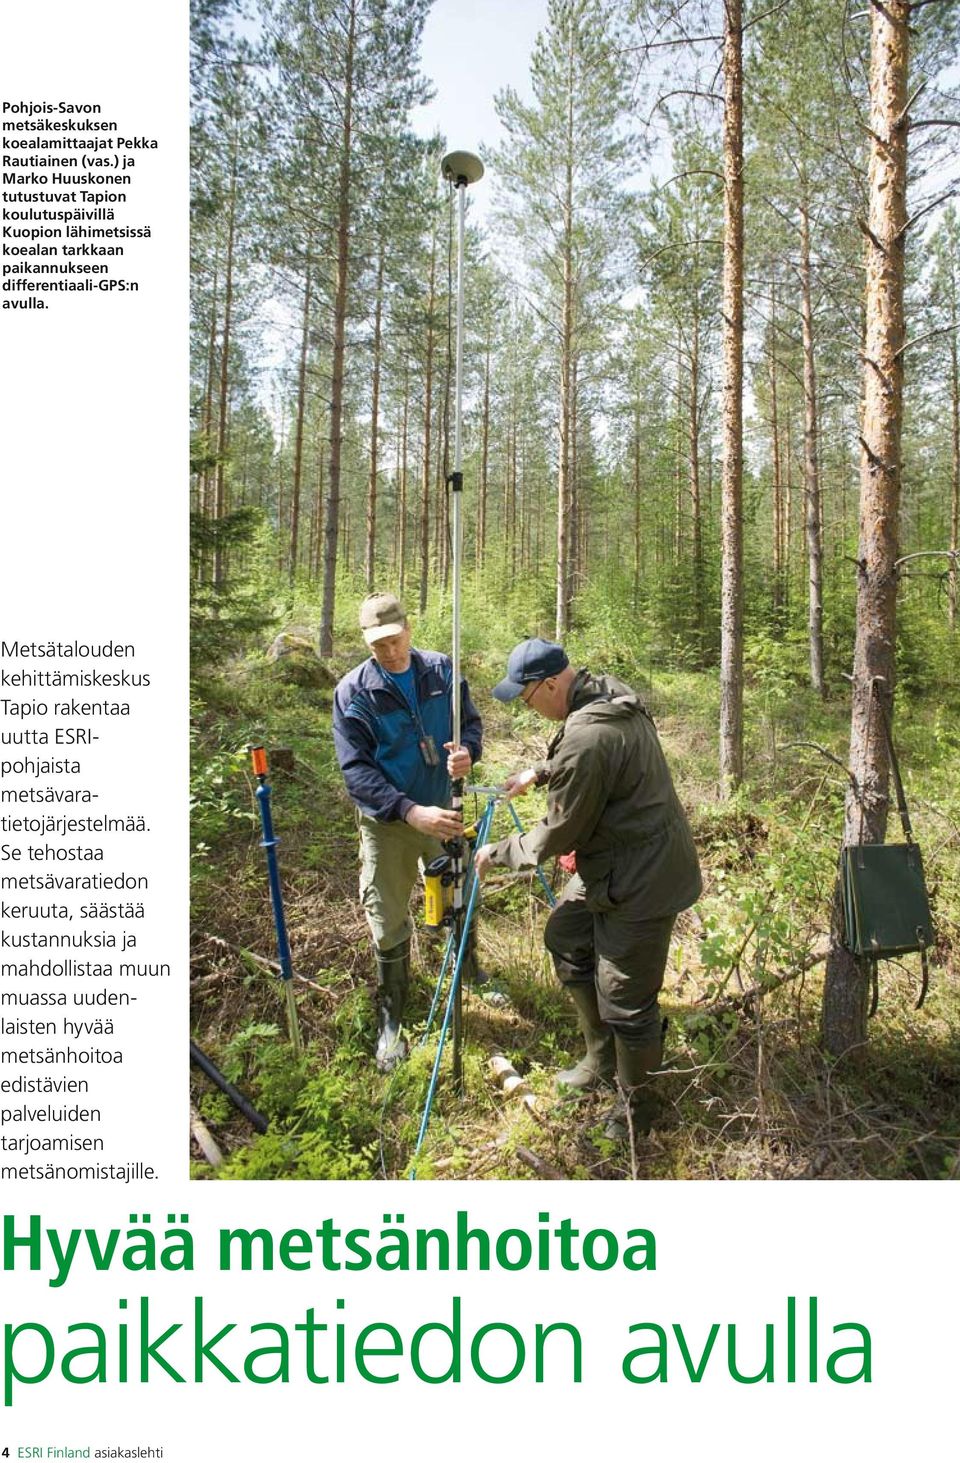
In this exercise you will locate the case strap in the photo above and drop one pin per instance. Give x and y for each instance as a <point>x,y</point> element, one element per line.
<point>902,808</point>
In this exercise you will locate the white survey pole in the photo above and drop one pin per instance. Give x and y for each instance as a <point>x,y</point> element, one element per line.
<point>460,169</point>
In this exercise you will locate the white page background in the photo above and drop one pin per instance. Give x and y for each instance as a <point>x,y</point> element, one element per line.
<point>93,468</point>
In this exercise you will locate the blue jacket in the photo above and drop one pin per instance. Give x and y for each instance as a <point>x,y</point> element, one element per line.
<point>377,739</point>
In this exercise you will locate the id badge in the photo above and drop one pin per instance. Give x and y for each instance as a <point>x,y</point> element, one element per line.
<point>428,751</point>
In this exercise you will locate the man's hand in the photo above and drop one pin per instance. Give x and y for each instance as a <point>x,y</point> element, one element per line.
<point>481,860</point>
<point>459,762</point>
<point>519,783</point>
<point>436,822</point>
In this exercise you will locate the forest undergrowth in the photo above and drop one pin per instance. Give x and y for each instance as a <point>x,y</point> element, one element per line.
<point>746,1091</point>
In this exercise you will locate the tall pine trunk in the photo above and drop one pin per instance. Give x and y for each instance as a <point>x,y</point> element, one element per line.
<point>564,483</point>
<point>370,554</point>
<point>813,515</point>
<point>427,427</point>
<point>681,457</point>
<point>223,403</point>
<point>298,431</point>
<point>316,526</point>
<point>402,498</point>
<point>444,537</point>
<point>731,610</point>
<point>775,455</point>
<point>955,469</point>
<point>696,525</point>
<point>481,539</point>
<point>332,523</point>
<point>207,483</point>
<point>787,510</point>
<point>874,665</point>
<point>637,537</point>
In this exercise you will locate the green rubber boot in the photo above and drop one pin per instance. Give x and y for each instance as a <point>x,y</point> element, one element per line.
<point>393,980</point>
<point>596,1068</point>
<point>636,1095</point>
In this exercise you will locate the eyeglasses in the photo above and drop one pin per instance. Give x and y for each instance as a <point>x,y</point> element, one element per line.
<point>533,691</point>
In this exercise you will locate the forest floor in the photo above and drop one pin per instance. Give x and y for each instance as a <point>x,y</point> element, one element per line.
<point>746,1090</point>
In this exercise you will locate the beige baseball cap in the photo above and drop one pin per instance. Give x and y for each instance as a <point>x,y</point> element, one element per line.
<point>381,615</point>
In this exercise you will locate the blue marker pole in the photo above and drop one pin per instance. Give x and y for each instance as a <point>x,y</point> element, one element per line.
<point>269,844</point>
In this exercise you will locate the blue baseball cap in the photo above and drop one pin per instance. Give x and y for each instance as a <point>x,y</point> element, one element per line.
<point>530,661</point>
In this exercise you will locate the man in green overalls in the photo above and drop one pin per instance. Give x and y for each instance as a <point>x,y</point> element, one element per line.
<point>611,801</point>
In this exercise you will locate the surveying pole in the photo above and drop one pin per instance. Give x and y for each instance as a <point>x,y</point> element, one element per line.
<point>460,169</point>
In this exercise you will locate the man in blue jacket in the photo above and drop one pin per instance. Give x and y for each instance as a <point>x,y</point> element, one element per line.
<point>392,723</point>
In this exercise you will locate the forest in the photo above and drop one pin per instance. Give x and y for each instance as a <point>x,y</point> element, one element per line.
<point>710,442</point>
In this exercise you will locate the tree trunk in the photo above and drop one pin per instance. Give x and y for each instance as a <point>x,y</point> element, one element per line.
<point>298,432</point>
<point>845,989</point>
<point>563,470</point>
<point>524,510</point>
<point>441,518</point>
<point>636,504</point>
<point>566,382</point>
<point>332,524</point>
<point>481,542</point>
<point>731,612</point>
<point>787,511</point>
<point>696,528</point>
<point>345,546</point>
<point>955,473</point>
<point>220,503</point>
<point>539,519</point>
<point>812,509</point>
<point>370,555</point>
<point>427,427</point>
<point>577,549</point>
<point>207,484</point>
<point>512,477</point>
<point>444,538</point>
<point>402,504</point>
<point>681,458</point>
<point>281,454</point>
<point>316,530</point>
<point>775,454</point>
<point>811,467</point>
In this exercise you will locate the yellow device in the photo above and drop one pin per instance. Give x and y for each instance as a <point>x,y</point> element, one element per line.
<point>437,891</point>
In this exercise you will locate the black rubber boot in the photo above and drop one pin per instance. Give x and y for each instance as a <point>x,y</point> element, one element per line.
<point>636,1095</point>
<point>393,980</point>
<point>597,1067</point>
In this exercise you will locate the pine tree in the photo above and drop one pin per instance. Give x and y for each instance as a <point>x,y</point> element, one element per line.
<point>562,166</point>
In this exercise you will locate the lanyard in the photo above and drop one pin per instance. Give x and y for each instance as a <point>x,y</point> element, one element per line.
<point>413,705</point>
